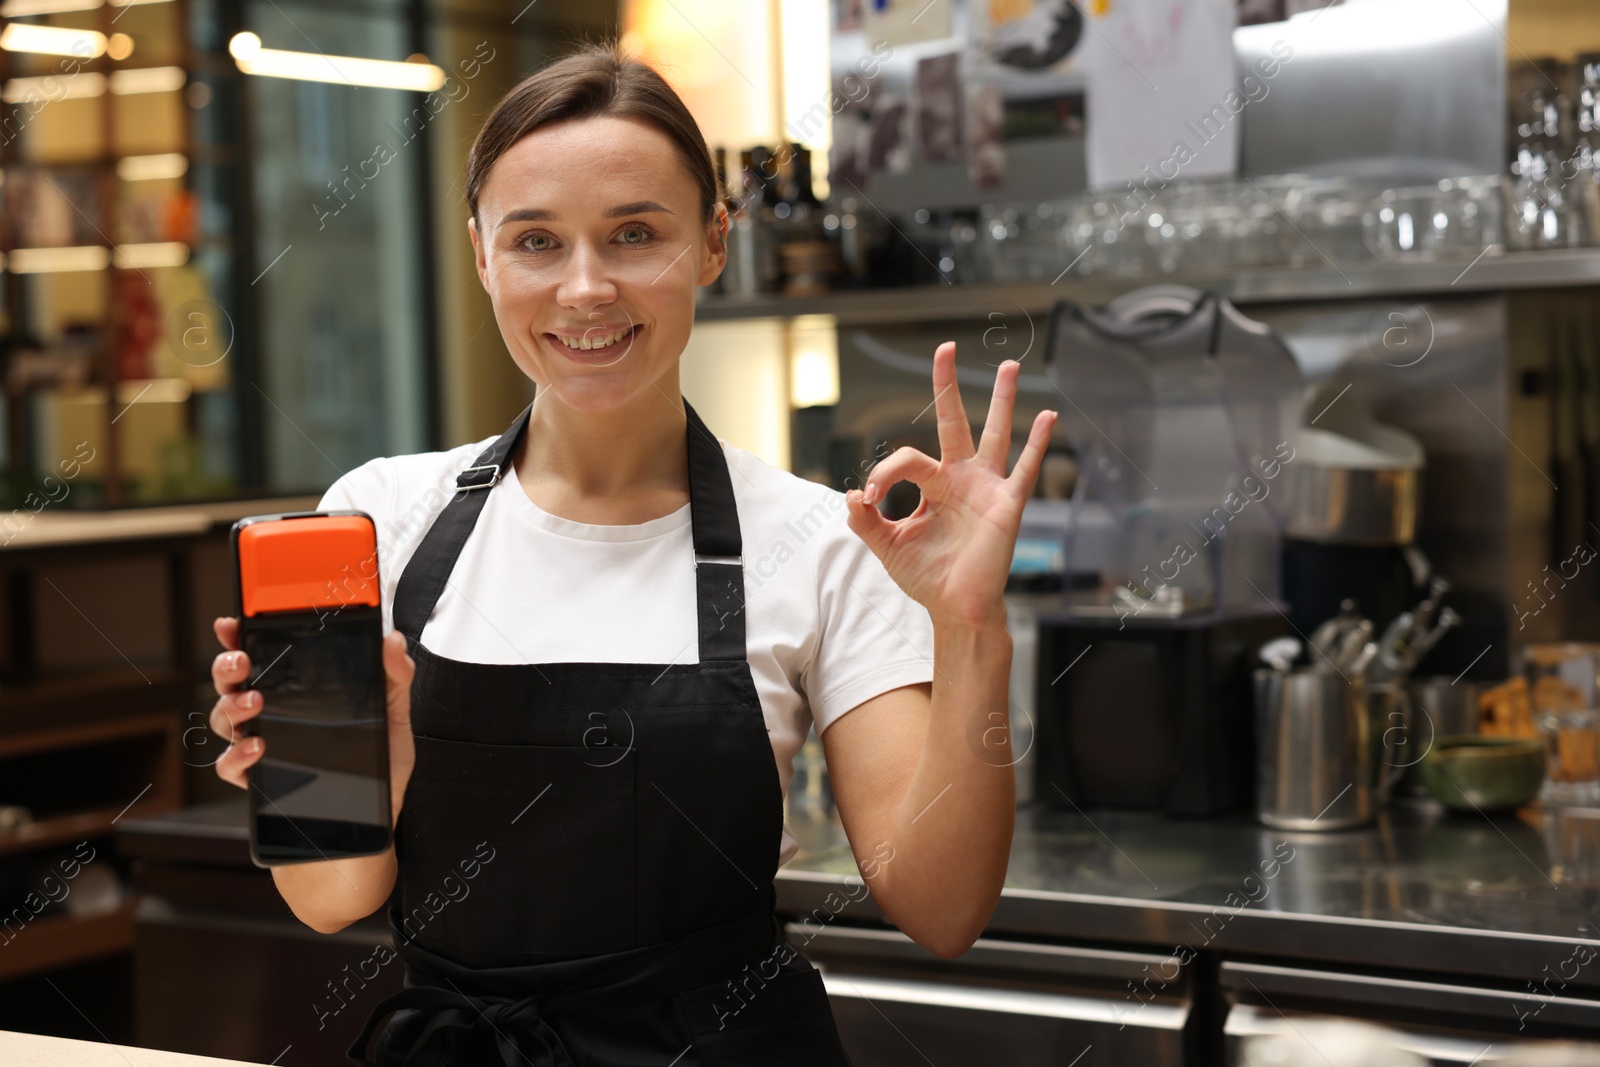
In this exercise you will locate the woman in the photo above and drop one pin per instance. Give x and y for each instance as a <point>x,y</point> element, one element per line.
<point>589,736</point>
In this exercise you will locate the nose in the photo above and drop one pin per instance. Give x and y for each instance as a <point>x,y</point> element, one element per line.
<point>585,280</point>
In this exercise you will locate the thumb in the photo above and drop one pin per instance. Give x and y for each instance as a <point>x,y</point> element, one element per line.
<point>399,667</point>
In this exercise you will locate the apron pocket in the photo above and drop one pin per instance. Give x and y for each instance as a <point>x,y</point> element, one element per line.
<point>508,851</point>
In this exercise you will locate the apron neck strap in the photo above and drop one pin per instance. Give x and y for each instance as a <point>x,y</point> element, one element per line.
<point>714,518</point>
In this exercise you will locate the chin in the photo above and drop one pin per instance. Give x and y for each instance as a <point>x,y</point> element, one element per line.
<point>599,392</point>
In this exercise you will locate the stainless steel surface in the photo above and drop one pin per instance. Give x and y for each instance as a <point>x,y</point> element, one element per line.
<point>1324,757</point>
<point>1388,87</point>
<point>1554,268</point>
<point>1341,505</point>
<point>1409,995</point>
<point>1444,706</point>
<point>1380,88</point>
<point>1420,891</point>
<point>1247,1022</point>
<point>846,945</point>
<point>1004,1002</point>
<point>1445,1023</point>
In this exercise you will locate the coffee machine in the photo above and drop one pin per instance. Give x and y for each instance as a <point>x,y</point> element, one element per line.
<point>1353,513</point>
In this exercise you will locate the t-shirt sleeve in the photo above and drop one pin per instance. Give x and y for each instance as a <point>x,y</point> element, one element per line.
<point>872,637</point>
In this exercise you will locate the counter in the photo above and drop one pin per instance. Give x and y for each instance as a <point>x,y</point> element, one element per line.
<point>1421,890</point>
<point>1427,921</point>
<point>33,1050</point>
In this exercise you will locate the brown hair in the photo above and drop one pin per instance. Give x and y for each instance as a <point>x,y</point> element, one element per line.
<point>597,80</point>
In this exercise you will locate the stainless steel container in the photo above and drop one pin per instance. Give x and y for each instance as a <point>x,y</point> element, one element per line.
<point>1443,706</point>
<point>1354,506</point>
<point>1325,748</point>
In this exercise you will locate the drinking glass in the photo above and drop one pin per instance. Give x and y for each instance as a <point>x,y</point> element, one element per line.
<point>1563,682</point>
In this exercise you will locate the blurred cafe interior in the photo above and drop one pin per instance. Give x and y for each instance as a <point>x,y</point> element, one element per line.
<point>1305,692</point>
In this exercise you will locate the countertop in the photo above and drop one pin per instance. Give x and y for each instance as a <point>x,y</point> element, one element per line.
<point>34,1050</point>
<point>1420,891</point>
<point>53,527</point>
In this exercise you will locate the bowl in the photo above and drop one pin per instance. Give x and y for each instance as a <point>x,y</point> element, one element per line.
<point>1469,772</point>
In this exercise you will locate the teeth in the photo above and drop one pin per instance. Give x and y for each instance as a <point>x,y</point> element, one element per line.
<point>585,343</point>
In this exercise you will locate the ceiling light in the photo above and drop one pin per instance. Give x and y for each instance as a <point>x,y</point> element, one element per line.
<point>52,40</point>
<point>119,46</point>
<point>50,260</point>
<point>148,168</point>
<point>147,80</point>
<point>252,58</point>
<point>52,87</point>
<point>14,9</point>
<point>155,254</point>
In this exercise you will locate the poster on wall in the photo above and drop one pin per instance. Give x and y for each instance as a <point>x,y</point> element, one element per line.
<point>901,22</point>
<point>1020,41</point>
<point>848,155</point>
<point>889,145</point>
<point>986,154</point>
<point>940,102</point>
<point>1162,100</point>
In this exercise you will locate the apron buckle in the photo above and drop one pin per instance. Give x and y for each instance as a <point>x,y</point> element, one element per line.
<point>471,479</point>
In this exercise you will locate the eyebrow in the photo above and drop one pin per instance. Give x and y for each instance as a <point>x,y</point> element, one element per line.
<point>533,214</point>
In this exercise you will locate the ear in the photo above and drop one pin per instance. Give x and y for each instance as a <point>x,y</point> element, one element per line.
<point>479,253</point>
<point>716,257</point>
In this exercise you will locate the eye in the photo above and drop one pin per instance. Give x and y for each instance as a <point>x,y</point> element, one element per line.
<point>529,242</point>
<point>642,233</point>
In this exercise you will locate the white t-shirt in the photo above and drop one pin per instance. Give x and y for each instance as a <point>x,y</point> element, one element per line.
<point>826,628</point>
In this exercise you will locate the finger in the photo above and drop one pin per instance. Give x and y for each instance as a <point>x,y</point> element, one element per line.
<point>955,432</point>
<point>237,761</point>
<point>996,441</point>
<point>902,465</point>
<point>229,671</point>
<point>868,523</point>
<point>400,669</point>
<point>227,631</point>
<point>232,711</point>
<point>1026,471</point>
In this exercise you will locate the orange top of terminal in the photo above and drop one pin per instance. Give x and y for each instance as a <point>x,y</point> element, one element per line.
<point>300,564</point>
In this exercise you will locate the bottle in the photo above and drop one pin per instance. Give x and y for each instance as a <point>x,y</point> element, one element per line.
<point>752,245</point>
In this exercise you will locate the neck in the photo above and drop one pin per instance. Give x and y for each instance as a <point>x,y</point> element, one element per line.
<point>623,466</point>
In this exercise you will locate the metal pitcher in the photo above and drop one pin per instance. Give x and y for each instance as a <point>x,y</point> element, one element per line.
<point>1326,747</point>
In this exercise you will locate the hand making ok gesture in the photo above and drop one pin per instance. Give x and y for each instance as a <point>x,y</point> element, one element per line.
<point>952,554</point>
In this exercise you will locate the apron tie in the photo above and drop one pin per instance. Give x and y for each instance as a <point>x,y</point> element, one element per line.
<point>459,1025</point>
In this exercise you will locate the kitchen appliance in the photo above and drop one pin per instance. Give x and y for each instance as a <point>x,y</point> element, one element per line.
<point>1182,414</point>
<point>1148,713</point>
<point>1353,511</point>
<point>1327,747</point>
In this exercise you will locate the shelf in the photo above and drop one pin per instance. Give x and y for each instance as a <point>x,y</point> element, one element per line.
<point>77,826</point>
<point>90,528</point>
<point>935,303</point>
<point>55,941</point>
<point>101,711</point>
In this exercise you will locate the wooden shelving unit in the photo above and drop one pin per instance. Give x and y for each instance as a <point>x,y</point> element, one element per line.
<point>82,749</point>
<point>54,941</point>
<point>101,219</point>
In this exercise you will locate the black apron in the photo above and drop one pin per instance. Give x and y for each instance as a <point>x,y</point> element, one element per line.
<point>587,850</point>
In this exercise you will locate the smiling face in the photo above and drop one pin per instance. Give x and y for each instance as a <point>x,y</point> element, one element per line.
<point>590,242</point>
